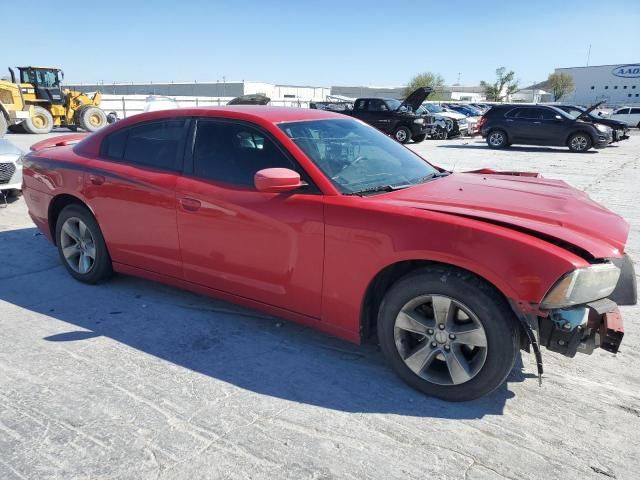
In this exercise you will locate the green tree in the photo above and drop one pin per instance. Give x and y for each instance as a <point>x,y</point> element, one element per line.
<point>504,86</point>
<point>426,79</point>
<point>561,84</point>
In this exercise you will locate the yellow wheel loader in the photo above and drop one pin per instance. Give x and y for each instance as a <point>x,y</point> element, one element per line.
<point>37,103</point>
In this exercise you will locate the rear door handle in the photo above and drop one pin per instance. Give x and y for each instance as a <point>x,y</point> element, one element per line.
<point>96,179</point>
<point>190,204</point>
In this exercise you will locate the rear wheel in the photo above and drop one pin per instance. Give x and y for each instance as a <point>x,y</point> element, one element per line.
<point>40,121</point>
<point>91,118</point>
<point>440,133</point>
<point>419,138</point>
<point>402,134</point>
<point>497,139</point>
<point>81,245</point>
<point>448,334</point>
<point>580,142</point>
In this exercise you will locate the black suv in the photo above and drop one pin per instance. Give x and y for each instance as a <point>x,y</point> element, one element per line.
<point>504,125</point>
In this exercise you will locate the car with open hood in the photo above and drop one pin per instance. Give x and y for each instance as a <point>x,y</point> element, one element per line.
<point>318,218</point>
<point>620,129</point>
<point>393,117</point>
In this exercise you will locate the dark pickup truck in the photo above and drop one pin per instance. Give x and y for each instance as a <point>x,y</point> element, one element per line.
<point>394,117</point>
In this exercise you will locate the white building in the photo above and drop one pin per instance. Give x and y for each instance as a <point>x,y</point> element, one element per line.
<point>616,84</point>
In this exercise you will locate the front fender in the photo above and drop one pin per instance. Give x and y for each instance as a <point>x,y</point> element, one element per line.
<point>361,242</point>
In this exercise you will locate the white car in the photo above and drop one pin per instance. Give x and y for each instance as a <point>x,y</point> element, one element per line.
<point>10,168</point>
<point>628,115</point>
<point>439,112</point>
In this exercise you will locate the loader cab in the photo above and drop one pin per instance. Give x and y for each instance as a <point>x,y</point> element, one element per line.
<point>46,83</point>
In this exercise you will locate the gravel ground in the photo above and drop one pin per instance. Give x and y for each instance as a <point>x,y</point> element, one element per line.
<point>132,379</point>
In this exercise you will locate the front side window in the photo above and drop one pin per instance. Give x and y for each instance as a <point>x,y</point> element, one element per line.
<point>635,111</point>
<point>622,111</point>
<point>357,157</point>
<point>233,153</point>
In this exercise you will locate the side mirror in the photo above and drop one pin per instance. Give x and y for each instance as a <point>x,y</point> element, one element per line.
<point>277,180</point>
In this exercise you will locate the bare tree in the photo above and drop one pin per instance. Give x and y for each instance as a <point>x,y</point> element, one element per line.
<point>561,84</point>
<point>426,79</point>
<point>503,87</point>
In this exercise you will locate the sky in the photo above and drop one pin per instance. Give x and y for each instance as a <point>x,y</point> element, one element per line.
<point>306,42</point>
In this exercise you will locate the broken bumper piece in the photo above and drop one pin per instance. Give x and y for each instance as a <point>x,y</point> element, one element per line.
<point>582,329</point>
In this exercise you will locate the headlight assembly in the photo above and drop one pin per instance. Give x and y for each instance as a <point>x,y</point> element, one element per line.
<point>602,128</point>
<point>419,120</point>
<point>582,285</point>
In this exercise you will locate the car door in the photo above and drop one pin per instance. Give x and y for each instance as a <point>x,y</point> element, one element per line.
<point>131,191</point>
<point>516,125</point>
<point>380,116</point>
<point>622,114</point>
<point>634,117</point>
<point>552,127</point>
<point>267,247</point>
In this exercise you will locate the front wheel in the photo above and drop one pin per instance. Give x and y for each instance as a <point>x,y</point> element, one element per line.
<point>91,118</point>
<point>448,334</point>
<point>402,134</point>
<point>579,142</point>
<point>81,245</point>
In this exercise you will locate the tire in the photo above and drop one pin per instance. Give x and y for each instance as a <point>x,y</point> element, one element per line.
<point>3,125</point>
<point>486,317</point>
<point>402,135</point>
<point>579,142</point>
<point>40,121</point>
<point>17,128</point>
<point>419,138</point>
<point>78,261</point>
<point>440,133</point>
<point>497,139</point>
<point>91,118</point>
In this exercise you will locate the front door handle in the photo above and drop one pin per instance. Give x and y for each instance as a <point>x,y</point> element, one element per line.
<point>190,204</point>
<point>96,179</point>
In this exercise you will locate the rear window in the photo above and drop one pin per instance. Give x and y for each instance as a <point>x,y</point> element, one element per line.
<point>154,144</point>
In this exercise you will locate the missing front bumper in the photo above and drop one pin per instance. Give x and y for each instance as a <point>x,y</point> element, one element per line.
<point>583,329</point>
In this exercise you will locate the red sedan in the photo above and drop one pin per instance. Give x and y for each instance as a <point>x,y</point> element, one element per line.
<point>323,220</point>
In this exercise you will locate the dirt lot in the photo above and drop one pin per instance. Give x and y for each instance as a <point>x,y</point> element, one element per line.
<point>132,379</point>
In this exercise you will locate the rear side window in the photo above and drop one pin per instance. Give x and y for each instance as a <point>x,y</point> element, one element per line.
<point>154,144</point>
<point>232,153</point>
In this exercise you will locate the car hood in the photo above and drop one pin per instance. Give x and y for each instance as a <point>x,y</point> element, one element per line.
<point>549,208</point>
<point>416,98</point>
<point>454,115</point>
<point>585,115</point>
<point>9,149</point>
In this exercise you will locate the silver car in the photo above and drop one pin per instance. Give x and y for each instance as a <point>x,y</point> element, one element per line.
<point>10,168</point>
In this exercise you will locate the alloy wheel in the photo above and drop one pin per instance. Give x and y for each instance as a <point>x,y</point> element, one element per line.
<point>78,245</point>
<point>440,339</point>
<point>579,143</point>
<point>496,139</point>
<point>401,136</point>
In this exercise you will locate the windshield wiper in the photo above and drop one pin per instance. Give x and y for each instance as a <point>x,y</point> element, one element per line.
<point>379,189</point>
<point>432,176</point>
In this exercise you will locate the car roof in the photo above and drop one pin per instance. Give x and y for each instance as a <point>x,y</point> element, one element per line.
<point>257,114</point>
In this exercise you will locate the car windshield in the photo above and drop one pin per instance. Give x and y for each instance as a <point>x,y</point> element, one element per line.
<point>357,157</point>
<point>573,111</point>
<point>431,108</point>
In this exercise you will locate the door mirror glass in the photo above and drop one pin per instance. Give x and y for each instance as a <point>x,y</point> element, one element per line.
<point>277,180</point>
